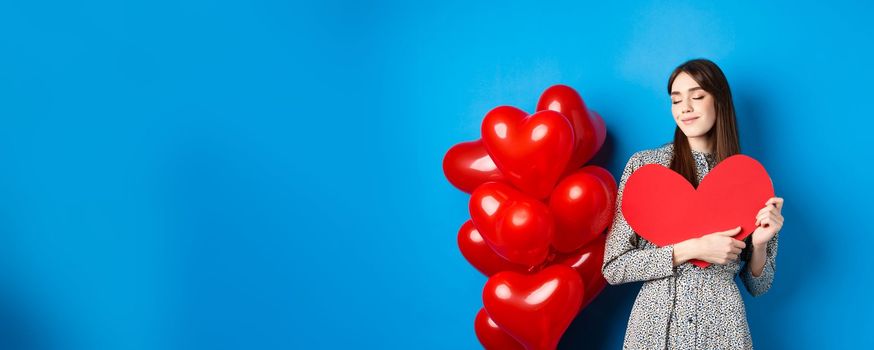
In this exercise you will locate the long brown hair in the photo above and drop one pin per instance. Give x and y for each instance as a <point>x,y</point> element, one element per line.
<point>723,134</point>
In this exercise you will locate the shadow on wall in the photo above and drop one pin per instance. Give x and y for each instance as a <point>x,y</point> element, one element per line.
<point>19,328</point>
<point>601,325</point>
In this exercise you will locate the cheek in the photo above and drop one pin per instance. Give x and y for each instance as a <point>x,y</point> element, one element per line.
<point>709,111</point>
<point>675,111</point>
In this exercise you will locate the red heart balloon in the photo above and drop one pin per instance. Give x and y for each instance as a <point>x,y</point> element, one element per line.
<point>516,226</point>
<point>583,206</point>
<point>589,128</point>
<point>474,248</point>
<point>587,262</point>
<point>536,308</point>
<point>664,208</point>
<point>531,151</point>
<point>468,165</point>
<point>600,129</point>
<point>491,336</point>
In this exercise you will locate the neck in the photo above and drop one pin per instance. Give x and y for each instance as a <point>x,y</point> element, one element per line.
<point>701,144</point>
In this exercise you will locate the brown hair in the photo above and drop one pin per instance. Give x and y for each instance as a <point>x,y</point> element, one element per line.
<point>723,134</point>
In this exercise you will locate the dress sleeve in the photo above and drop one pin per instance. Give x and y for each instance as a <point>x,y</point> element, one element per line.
<point>759,285</point>
<point>624,258</point>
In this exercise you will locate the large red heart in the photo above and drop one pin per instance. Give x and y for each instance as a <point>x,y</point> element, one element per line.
<point>535,309</point>
<point>468,165</point>
<point>531,151</point>
<point>491,336</point>
<point>582,204</point>
<point>474,248</point>
<point>589,128</point>
<point>587,262</point>
<point>662,207</point>
<point>516,226</point>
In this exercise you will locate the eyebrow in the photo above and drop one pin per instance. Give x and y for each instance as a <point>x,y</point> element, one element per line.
<point>690,90</point>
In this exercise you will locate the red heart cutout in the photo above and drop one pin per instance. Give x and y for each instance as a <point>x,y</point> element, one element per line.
<point>491,336</point>
<point>664,208</point>
<point>589,128</point>
<point>531,151</point>
<point>587,262</point>
<point>583,205</point>
<point>468,165</point>
<point>474,248</point>
<point>535,309</point>
<point>516,226</point>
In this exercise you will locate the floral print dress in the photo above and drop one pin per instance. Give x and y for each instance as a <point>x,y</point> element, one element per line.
<point>682,307</point>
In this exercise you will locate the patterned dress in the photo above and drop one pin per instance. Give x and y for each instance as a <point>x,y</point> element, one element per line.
<point>683,307</point>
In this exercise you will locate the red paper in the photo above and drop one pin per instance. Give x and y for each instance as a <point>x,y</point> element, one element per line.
<point>662,207</point>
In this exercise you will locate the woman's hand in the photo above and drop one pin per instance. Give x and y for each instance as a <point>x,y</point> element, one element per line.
<point>769,221</point>
<point>715,248</point>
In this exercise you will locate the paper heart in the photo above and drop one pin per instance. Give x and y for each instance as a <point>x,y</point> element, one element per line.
<point>474,248</point>
<point>537,308</point>
<point>589,128</point>
<point>516,226</point>
<point>491,336</point>
<point>531,151</point>
<point>468,165</point>
<point>662,207</point>
<point>582,204</point>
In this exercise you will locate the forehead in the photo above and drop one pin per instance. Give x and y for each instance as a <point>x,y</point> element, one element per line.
<point>684,83</point>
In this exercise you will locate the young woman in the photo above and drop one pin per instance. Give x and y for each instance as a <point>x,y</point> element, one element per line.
<point>681,306</point>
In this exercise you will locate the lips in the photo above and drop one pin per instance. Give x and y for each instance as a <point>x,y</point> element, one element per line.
<point>688,121</point>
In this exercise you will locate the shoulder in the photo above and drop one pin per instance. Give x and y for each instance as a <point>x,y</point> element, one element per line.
<point>659,155</point>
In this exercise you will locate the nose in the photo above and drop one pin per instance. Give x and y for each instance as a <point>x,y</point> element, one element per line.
<point>687,105</point>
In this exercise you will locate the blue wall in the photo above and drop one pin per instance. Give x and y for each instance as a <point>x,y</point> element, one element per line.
<point>258,174</point>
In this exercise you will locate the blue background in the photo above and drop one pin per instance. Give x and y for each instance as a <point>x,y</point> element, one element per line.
<point>266,175</point>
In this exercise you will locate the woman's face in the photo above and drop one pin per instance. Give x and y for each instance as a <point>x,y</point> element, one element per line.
<point>692,107</point>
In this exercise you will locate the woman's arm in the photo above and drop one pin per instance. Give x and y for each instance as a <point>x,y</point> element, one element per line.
<point>624,260</point>
<point>761,259</point>
<point>758,274</point>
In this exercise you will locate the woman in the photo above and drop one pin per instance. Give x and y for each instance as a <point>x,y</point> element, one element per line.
<point>681,306</point>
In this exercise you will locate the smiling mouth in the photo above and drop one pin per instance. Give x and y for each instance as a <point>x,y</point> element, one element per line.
<point>688,121</point>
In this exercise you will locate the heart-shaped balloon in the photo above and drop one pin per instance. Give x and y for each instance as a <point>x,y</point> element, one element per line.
<point>600,129</point>
<point>516,226</point>
<point>582,205</point>
<point>491,336</point>
<point>536,308</point>
<point>589,128</point>
<point>468,165</point>
<point>531,151</point>
<point>587,262</point>
<point>474,248</point>
<point>662,207</point>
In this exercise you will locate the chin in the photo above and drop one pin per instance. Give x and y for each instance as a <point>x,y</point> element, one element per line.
<point>694,132</point>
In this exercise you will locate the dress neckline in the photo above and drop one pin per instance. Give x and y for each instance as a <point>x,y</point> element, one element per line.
<point>709,155</point>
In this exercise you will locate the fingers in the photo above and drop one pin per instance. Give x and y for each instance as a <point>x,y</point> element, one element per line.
<point>730,257</point>
<point>738,244</point>
<point>729,233</point>
<point>764,211</point>
<point>772,220</point>
<point>769,218</point>
<point>775,201</point>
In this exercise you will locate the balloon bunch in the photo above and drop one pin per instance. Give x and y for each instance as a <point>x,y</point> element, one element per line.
<point>538,217</point>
